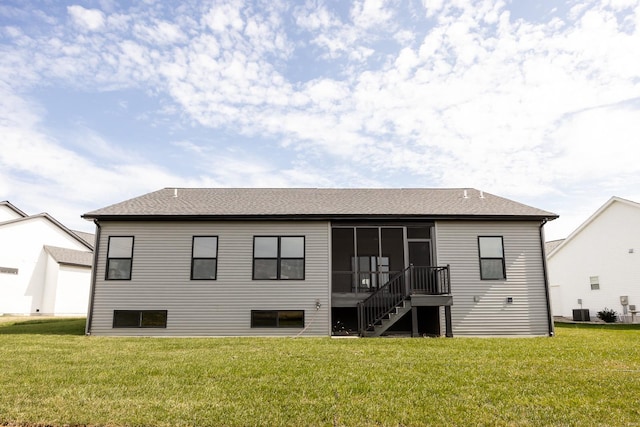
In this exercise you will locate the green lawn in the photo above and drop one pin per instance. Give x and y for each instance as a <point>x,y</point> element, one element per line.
<point>53,375</point>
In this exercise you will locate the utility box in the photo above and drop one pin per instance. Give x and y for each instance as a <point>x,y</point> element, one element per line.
<point>581,315</point>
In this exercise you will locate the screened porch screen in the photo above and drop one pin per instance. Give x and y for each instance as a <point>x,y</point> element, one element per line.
<point>364,258</point>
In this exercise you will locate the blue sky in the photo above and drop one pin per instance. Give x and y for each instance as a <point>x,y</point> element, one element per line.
<point>101,101</point>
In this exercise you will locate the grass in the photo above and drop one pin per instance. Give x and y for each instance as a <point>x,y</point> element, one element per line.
<point>53,375</point>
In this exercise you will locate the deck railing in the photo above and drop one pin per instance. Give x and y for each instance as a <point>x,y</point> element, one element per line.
<point>430,280</point>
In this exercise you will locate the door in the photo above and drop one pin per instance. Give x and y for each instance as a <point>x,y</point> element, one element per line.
<point>422,279</point>
<point>420,253</point>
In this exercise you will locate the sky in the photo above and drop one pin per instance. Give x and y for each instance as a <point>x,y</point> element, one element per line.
<point>536,101</point>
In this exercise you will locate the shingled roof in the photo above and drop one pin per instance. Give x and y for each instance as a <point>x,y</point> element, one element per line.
<point>70,256</point>
<point>316,203</point>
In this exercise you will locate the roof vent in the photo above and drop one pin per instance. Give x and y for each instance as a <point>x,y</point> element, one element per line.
<point>481,194</point>
<point>175,192</point>
<point>465,195</point>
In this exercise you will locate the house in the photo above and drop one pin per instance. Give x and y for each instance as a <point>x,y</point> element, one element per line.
<point>45,268</point>
<point>598,265</point>
<point>229,262</point>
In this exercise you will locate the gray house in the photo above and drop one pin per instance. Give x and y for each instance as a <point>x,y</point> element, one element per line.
<point>317,262</point>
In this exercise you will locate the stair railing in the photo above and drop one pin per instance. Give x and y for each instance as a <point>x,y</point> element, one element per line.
<point>383,301</point>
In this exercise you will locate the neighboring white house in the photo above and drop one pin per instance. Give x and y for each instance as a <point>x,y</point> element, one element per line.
<point>212,261</point>
<point>598,263</point>
<point>45,268</point>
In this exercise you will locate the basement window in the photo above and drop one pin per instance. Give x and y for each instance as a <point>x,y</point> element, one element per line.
<point>8,270</point>
<point>277,318</point>
<point>140,318</point>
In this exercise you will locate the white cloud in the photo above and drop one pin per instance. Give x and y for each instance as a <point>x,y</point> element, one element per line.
<point>594,142</point>
<point>326,95</point>
<point>351,39</point>
<point>88,19</point>
<point>224,17</point>
<point>315,18</point>
<point>370,13</point>
<point>159,33</point>
<point>432,7</point>
<point>233,167</point>
<point>469,96</point>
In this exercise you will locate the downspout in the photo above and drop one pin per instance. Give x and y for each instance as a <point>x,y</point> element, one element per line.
<point>94,275</point>
<point>546,279</point>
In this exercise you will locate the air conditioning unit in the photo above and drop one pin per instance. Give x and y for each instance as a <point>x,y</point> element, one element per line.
<point>581,315</point>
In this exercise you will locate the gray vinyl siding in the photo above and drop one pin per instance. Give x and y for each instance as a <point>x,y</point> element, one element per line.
<point>160,279</point>
<point>457,245</point>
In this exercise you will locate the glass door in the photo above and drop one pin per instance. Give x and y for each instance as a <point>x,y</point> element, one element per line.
<point>419,256</point>
<point>420,253</point>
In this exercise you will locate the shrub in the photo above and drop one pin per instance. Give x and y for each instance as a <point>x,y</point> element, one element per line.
<point>608,315</point>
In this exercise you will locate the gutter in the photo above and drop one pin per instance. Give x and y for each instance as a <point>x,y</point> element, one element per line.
<point>94,275</point>
<point>546,280</point>
<point>390,218</point>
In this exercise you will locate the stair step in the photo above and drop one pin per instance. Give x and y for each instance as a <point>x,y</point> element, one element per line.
<point>384,324</point>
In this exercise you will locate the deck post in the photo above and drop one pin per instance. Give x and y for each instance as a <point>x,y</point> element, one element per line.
<point>447,319</point>
<point>414,321</point>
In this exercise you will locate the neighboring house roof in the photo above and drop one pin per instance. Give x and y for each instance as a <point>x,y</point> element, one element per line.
<point>551,245</point>
<point>589,220</point>
<point>70,256</point>
<point>317,203</point>
<point>54,221</point>
<point>13,208</point>
<point>90,238</point>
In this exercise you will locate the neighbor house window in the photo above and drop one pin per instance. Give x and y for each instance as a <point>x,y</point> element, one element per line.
<point>140,318</point>
<point>8,270</point>
<point>277,318</point>
<point>278,258</point>
<point>595,282</point>
<point>204,258</point>
<point>492,265</point>
<point>119,258</point>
